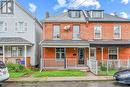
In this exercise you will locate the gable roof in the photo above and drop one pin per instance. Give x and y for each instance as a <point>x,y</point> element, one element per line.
<point>26,11</point>
<point>85,16</point>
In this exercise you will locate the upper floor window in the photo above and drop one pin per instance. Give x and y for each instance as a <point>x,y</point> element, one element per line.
<point>60,53</point>
<point>7,6</point>
<point>3,26</point>
<point>76,32</point>
<point>74,14</point>
<point>21,26</point>
<point>97,32</point>
<point>97,14</point>
<point>56,32</point>
<point>117,32</point>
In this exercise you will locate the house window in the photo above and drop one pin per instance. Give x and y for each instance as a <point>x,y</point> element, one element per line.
<point>14,51</point>
<point>96,14</point>
<point>20,51</point>
<point>1,26</point>
<point>7,6</point>
<point>1,51</point>
<point>76,32</point>
<point>117,32</point>
<point>21,26</point>
<point>60,53</point>
<point>97,32</point>
<point>74,14</point>
<point>56,32</point>
<point>112,53</point>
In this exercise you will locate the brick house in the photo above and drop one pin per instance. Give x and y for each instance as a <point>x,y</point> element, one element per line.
<point>73,38</point>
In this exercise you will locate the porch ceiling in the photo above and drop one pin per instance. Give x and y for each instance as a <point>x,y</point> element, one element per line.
<point>110,43</point>
<point>14,41</point>
<point>63,43</point>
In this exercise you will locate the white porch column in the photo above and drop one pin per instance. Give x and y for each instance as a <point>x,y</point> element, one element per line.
<point>102,53</point>
<point>25,55</point>
<point>3,53</point>
<point>118,53</point>
<point>89,57</point>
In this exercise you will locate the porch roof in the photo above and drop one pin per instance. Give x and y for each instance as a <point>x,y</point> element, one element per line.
<point>14,40</point>
<point>65,43</point>
<point>110,43</point>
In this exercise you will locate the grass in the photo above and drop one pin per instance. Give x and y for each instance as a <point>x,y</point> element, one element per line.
<point>59,73</point>
<point>110,73</point>
<point>17,74</point>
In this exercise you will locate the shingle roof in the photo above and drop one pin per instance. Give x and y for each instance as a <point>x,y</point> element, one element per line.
<point>65,43</point>
<point>111,43</point>
<point>13,40</point>
<point>65,18</point>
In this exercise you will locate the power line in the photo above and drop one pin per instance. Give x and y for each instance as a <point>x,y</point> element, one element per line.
<point>81,3</point>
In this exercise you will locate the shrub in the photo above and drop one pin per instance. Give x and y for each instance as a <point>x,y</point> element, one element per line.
<point>15,67</point>
<point>103,67</point>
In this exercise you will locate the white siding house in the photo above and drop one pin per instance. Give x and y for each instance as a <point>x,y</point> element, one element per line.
<point>20,34</point>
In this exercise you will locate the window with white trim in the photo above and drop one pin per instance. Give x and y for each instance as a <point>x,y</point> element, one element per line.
<point>74,14</point>
<point>7,6</point>
<point>112,53</point>
<point>117,32</point>
<point>21,26</point>
<point>97,32</point>
<point>60,53</point>
<point>14,51</point>
<point>56,32</point>
<point>76,32</point>
<point>3,26</point>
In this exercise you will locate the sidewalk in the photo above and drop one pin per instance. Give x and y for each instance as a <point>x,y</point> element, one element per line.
<point>89,77</point>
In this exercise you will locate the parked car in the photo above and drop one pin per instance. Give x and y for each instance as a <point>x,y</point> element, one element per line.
<point>4,75</point>
<point>123,76</point>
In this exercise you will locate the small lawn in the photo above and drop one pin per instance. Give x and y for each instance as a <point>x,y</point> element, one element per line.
<point>17,74</point>
<point>110,73</point>
<point>59,73</point>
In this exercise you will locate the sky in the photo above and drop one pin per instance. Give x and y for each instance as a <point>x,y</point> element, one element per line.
<point>55,7</point>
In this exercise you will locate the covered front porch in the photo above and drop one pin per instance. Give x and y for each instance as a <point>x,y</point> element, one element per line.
<point>79,54</point>
<point>15,50</point>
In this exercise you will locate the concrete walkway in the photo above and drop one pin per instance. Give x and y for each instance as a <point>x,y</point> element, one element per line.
<point>89,77</point>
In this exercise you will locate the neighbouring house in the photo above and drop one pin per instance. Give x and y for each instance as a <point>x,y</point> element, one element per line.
<point>75,37</point>
<point>20,34</point>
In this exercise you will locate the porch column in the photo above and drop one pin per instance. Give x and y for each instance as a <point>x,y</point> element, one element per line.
<point>41,60</point>
<point>25,55</point>
<point>102,53</point>
<point>3,53</point>
<point>118,53</point>
<point>89,57</point>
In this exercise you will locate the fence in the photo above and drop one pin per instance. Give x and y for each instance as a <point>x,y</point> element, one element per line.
<point>62,63</point>
<point>96,66</point>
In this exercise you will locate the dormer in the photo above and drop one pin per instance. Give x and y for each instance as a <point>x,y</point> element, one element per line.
<point>7,6</point>
<point>96,13</point>
<point>74,13</point>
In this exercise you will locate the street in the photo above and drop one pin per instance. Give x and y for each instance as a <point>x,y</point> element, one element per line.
<point>65,84</point>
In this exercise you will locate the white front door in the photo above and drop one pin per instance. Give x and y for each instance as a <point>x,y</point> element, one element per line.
<point>93,53</point>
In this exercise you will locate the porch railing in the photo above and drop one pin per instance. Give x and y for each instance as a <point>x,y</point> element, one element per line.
<point>57,64</point>
<point>98,65</point>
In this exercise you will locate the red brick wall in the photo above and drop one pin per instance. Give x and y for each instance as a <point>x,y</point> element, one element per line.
<point>86,30</point>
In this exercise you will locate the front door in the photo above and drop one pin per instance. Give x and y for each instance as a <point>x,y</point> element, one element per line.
<point>80,56</point>
<point>93,53</point>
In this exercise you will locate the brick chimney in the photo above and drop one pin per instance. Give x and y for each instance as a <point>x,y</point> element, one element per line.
<point>47,15</point>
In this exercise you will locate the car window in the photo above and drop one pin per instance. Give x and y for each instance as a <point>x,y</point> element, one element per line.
<point>2,65</point>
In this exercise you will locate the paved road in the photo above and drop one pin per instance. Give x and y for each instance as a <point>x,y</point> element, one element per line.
<point>66,84</point>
